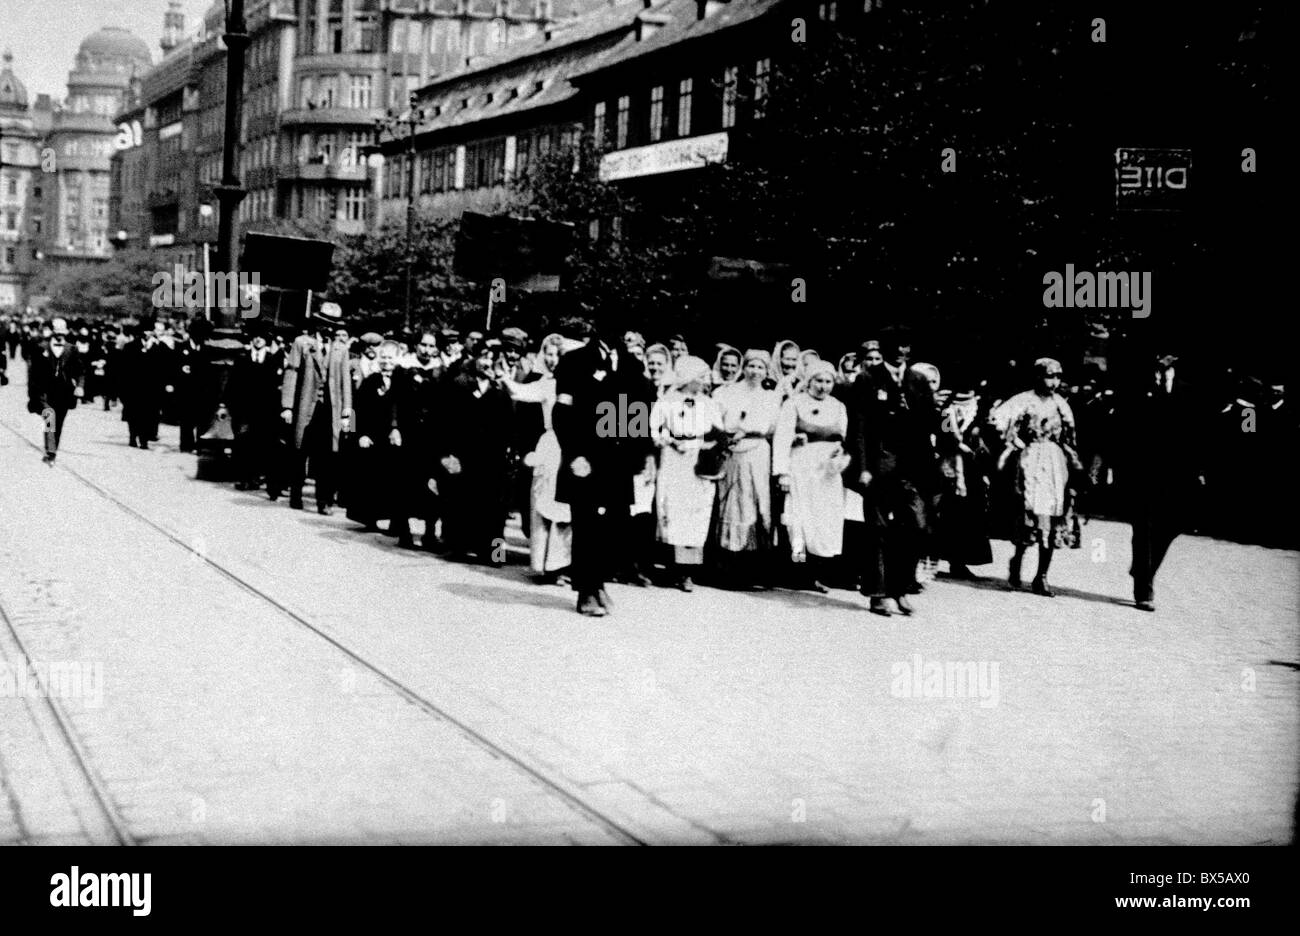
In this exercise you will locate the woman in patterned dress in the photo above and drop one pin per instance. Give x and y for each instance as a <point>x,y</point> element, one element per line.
<point>1040,436</point>
<point>808,459</point>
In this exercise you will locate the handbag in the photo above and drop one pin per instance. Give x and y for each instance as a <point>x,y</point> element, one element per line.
<point>709,464</point>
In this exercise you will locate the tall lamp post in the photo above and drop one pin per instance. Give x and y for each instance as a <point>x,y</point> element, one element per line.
<point>230,192</point>
<point>412,119</point>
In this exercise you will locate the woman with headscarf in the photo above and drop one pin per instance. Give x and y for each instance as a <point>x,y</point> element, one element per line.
<point>847,371</point>
<point>726,366</point>
<point>808,459</point>
<point>549,535</point>
<point>683,423</point>
<point>744,511</point>
<point>1040,447</point>
<point>785,368</point>
<point>659,368</point>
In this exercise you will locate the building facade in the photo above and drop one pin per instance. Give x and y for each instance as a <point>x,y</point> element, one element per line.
<point>486,124</point>
<point>21,187</point>
<point>75,203</point>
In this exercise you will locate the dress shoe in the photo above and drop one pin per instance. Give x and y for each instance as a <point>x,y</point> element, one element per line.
<point>962,573</point>
<point>295,503</point>
<point>904,606</point>
<point>605,601</point>
<point>880,606</point>
<point>405,542</point>
<point>916,588</point>
<point>273,495</point>
<point>1039,587</point>
<point>324,510</point>
<point>818,587</point>
<point>685,584</point>
<point>48,459</point>
<point>639,579</point>
<point>1147,605</point>
<point>590,606</point>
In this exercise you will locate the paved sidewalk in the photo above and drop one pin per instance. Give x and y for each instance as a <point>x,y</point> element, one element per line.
<point>710,717</point>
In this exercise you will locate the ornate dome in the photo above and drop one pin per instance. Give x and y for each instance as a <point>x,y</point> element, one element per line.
<point>114,42</point>
<point>12,92</point>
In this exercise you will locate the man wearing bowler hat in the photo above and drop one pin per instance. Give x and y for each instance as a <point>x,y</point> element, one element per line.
<point>316,400</point>
<point>55,382</point>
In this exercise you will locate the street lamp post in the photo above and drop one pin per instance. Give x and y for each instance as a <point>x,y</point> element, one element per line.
<point>413,118</point>
<point>230,192</point>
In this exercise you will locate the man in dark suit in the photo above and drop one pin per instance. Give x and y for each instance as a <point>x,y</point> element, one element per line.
<point>1157,465</point>
<point>889,444</point>
<point>472,448</point>
<point>597,466</point>
<point>421,398</point>
<point>257,377</point>
<point>55,382</point>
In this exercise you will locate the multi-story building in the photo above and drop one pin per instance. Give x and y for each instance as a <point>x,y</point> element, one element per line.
<point>75,201</point>
<point>488,122</point>
<point>319,75</point>
<point>21,185</point>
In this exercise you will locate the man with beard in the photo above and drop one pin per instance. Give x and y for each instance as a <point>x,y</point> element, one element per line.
<point>889,442</point>
<point>597,465</point>
<point>421,395</point>
<point>55,382</point>
<point>316,401</point>
<point>257,378</point>
<point>472,446</point>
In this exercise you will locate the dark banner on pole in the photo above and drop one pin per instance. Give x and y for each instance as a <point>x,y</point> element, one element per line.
<point>526,253</point>
<point>298,263</point>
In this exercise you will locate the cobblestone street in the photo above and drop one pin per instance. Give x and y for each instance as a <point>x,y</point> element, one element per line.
<point>271,675</point>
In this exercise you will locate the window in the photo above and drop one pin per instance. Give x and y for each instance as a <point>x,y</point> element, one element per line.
<point>327,95</point>
<point>10,255</point>
<point>324,202</point>
<point>354,203</point>
<point>826,11</point>
<point>325,147</point>
<point>12,186</point>
<point>336,26</point>
<point>624,105</point>
<point>730,77</point>
<point>523,152</point>
<point>762,69</point>
<point>656,113</point>
<point>359,95</point>
<point>426,173</point>
<point>598,124</point>
<point>685,91</point>
<point>11,220</point>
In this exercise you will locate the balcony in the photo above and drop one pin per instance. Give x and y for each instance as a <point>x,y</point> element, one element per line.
<point>331,117</point>
<point>308,171</point>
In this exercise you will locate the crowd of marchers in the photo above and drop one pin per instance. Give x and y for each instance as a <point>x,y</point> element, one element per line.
<point>749,468</point>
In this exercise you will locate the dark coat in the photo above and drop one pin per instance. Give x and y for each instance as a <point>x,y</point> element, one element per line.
<point>475,428</point>
<point>307,367</point>
<point>581,399</point>
<point>378,471</point>
<point>53,381</point>
<point>890,426</point>
<point>256,392</point>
